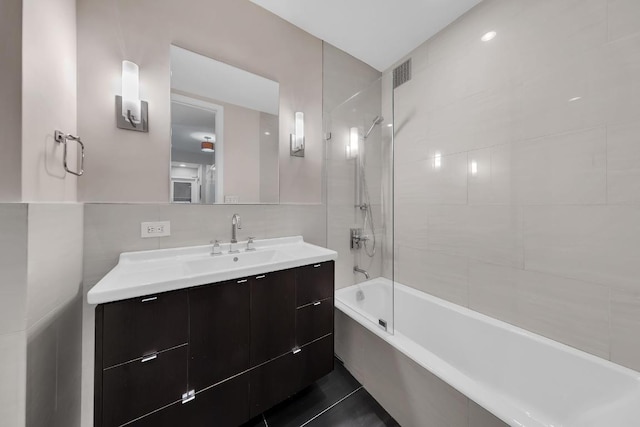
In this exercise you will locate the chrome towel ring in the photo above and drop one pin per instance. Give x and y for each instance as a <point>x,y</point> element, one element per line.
<point>62,138</point>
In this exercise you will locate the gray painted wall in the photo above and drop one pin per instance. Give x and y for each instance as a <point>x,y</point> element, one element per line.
<point>235,32</point>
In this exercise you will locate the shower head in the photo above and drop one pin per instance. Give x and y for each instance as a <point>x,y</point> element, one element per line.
<point>376,121</point>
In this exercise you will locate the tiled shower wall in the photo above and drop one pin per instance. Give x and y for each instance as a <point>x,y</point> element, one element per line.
<point>351,98</point>
<point>533,214</point>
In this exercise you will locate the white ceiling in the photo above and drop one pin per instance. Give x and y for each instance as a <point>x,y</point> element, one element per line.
<point>378,32</point>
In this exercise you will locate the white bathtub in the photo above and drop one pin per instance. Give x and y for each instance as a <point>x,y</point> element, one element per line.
<point>522,378</point>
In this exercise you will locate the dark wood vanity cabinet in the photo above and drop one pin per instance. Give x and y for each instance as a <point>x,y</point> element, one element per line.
<point>213,355</point>
<point>221,405</point>
<point>273,315</point>
<point>219,320</point>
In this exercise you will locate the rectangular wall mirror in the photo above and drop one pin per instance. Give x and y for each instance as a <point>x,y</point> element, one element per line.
<point>224,133</point>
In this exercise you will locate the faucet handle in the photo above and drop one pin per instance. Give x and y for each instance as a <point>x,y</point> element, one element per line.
<point>215,250</point>
<point>250,243</point>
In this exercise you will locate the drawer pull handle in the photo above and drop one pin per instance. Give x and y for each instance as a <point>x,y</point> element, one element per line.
<point>188,396</point>
<point>242,281</point>
<point>261,277</point>
<point>149,358</point>
<point>317,265</point>
<point>149,299</point>
<point>297,350</point>
<point>317,303</point>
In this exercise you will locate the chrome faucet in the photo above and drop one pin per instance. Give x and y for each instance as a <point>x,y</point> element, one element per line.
<point>357,269</point>
<point>235,226</point>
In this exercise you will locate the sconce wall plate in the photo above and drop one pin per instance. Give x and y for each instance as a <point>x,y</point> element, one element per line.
<point>296,152</point>
<point>123,123</point>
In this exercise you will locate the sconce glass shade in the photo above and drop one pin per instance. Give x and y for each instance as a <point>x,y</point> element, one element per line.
<point>354,140</point>
<point>131,91</point>
<point>297,138</point>
<point>437,160</point>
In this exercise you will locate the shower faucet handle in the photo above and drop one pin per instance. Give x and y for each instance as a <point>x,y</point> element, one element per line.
<point>357,238</point>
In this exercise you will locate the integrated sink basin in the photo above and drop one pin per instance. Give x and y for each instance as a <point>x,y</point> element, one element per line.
<point>236,261</point>
<point>148,272</point>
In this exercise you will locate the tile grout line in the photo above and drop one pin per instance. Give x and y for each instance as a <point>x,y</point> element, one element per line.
<point>330,407</point>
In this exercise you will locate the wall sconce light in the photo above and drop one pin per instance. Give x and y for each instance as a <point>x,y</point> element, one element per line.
<point>473,168</point>
<point>297,138</point>
<point>131,112</point>
<point>437,160</point>
<point>209,145</point>
<point>352,146</point>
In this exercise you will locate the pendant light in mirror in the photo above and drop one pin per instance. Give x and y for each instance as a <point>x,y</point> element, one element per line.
<point>208,146</point>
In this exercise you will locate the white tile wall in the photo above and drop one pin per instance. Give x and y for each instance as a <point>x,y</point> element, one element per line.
<point>13,367</point>
<point>543,232</point>
<point>40,339</point>
<point>13,265</point>
<point>592,243</point>
<point>623,163</point>
<point>486,233</point>
<point>55,258</point>
<point>442,275</point>
<point>13,318</point>
<point>54,322</point>
<point>625,324</point>
<point>624,18</point>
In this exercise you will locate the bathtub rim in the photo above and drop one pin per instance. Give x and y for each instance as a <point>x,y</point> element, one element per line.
<point>480,394</point>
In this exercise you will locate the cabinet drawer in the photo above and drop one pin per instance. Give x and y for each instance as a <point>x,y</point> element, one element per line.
<point>280,378</point>
<point>315,361</point>
<point>137,388</point>
<point>272,383</point>
<point>314,321</point>
<point>144,325</point>
<point>225,405</point>
<point>314,283</point>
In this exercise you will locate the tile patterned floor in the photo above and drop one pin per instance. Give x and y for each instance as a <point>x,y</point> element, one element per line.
<point>337,400</point>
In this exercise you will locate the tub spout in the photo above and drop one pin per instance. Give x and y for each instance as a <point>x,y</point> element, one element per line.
<point>357,269</point>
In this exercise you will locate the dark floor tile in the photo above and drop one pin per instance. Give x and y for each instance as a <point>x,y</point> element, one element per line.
<point>358,410</point>
<point>300,408</point>
<point>255,422</point>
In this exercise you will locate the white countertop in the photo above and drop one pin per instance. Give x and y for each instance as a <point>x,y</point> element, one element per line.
<point>150,272</point>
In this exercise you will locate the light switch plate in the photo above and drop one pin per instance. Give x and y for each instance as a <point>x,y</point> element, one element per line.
<point>155,229</point>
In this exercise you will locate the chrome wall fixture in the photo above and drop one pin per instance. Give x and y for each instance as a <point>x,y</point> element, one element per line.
<point>63,138</point>
<point>131,112</point>
<point>297,138</point>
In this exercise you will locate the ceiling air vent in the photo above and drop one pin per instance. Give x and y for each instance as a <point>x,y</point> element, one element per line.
<point>402,73</point>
